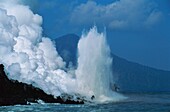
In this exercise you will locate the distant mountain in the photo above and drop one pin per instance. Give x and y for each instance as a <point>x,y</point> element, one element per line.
<point>129,76</point>
<point>67,47</point>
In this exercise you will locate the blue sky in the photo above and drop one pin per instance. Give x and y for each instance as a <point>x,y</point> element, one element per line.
<point>137,30</point>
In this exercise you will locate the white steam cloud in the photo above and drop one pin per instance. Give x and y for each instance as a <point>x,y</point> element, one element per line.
<point>33,59</point>
<point>94,74</point>
<point>27,56</point>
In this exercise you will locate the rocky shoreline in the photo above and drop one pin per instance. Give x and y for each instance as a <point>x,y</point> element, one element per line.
<point>13,92</point>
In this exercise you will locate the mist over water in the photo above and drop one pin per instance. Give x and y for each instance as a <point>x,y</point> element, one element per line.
<point>31,58</point>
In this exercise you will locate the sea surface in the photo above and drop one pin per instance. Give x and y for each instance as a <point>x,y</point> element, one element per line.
<point>149,102</point>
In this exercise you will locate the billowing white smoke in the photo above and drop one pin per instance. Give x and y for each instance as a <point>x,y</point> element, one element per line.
<point>94,67</point>
<point>27,56</point>
<point>33,59</point>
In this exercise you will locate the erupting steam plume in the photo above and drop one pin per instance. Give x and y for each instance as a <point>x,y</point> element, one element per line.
<point>94,74</point>
<point>33,59</point>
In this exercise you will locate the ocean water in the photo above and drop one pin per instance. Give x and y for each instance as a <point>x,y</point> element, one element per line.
<point>135,103</point>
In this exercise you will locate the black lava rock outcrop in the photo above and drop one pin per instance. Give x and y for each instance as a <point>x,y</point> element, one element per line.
<point>13,92</point>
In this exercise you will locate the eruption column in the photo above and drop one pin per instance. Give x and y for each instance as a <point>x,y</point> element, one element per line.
<point>94,67</point>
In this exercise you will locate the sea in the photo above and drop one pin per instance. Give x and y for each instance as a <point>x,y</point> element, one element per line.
<point>141,102</point>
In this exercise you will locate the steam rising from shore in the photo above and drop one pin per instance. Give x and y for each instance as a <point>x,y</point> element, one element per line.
<point>33,59</point>
<point>94,74</point>
<point>27,56</point>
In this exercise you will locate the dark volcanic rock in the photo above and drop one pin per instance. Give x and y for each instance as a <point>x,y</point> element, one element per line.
<point>13,92</point>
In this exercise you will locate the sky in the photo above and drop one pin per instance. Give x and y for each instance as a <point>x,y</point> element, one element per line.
<point>137,30</point>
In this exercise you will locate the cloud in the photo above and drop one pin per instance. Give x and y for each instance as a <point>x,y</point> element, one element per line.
<point>117,24</point>
<point>153,18</point>
<point>11,1</point>
<point>117,15</point>
<point>26,54</point>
